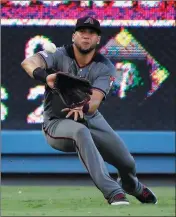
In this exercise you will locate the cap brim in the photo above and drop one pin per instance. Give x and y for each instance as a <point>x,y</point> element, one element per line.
<point>88,27</point>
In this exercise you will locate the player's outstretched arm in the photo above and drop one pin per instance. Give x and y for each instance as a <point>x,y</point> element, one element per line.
<point>35,67</point>
<point>33,62</point>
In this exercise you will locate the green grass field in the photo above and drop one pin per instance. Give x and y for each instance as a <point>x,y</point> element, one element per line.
<point>78,201</point>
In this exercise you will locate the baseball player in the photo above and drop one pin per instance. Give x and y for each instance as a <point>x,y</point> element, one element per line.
<point>83,129</point>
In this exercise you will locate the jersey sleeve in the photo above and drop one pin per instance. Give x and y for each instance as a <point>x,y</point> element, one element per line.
<point>105,79</point>
<point>52,60</point>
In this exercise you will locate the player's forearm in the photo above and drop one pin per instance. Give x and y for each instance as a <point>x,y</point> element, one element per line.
<point>29,66</point>
<point>93,106</point>
<point>31,63</point>
<point>94,103</point>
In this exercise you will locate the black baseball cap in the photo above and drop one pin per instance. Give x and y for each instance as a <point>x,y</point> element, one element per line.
<point>88,22</point>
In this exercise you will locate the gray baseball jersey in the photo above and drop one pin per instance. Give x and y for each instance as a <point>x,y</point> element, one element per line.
<point>99,72</point>
<point>96,142</point>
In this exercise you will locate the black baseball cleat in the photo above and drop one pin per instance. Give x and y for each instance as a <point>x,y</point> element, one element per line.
<point>119,199</point>
<point>147,196</point>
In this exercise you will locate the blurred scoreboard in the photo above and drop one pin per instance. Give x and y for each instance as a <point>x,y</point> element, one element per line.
<point>138,37</point>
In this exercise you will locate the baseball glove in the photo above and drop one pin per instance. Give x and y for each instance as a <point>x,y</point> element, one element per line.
<point>73,91</point>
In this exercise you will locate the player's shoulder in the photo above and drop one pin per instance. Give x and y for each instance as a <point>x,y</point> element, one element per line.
<point>58,54</point>
<point>100,58</point>
<point>61,50</point>
<point>46,53</point>
<point>107,66</point>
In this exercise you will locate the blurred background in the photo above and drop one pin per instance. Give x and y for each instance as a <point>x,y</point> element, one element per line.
<point>138,37</point>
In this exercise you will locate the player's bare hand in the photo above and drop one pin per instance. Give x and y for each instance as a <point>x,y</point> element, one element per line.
<point>50,79</point>
<point>77,112</point>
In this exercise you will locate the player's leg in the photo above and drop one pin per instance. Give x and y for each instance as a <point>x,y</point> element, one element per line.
<point>114,151</point>
<point>68,135</point>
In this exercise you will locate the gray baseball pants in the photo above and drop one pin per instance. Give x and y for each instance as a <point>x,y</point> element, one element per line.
<point>95,144</point>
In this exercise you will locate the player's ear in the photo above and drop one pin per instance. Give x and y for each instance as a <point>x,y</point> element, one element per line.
<point>99,38</point>
<point>73,37</point>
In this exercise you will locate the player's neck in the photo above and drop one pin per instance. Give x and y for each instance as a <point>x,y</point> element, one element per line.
<point>83,59</point>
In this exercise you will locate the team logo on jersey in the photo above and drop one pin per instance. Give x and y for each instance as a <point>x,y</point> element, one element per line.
<point>89,20</point>
<point>112,80</point>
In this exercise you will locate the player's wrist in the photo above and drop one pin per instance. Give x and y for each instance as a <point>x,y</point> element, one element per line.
<point>40,74</point>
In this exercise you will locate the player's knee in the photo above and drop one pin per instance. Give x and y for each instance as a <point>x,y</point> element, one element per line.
<point>82,130</point>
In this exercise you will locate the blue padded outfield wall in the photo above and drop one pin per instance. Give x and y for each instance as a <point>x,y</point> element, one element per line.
<point>28,152</point>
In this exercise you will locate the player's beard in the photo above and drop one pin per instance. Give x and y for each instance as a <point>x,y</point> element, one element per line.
<point>85,51</point>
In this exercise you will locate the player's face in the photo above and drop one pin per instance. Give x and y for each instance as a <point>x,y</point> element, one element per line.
<point>86,40</point>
